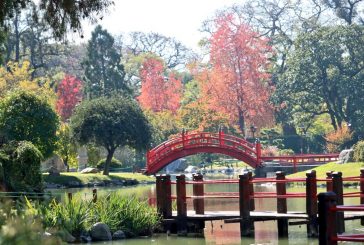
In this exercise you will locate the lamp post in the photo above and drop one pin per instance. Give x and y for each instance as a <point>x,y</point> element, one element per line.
<point>253,129</point>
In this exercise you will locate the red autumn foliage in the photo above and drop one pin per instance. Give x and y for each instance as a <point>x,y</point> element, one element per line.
<point>69,94</point>
<point>157,93</point>
<point>238,82</point>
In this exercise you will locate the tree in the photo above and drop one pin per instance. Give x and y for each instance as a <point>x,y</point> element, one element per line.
<point>18,76</point>
<point>111,122</point>
<point>69,94</point>
<point>61,16</point>
<point>24,116</point>
<point>237,84</point>
<point>169,49</point>
<point>346,10</point>
<point>324,76</point>
<point>157,93</point>
<point>66,147</point>
<point>104,74</point>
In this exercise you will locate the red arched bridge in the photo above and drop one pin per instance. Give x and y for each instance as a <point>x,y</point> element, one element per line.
<point>204,142</point>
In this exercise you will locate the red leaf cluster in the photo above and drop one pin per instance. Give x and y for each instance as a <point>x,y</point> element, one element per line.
<point>69,94</point>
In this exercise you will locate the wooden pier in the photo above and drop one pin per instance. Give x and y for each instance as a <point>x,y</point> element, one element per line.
<point>192,220</point>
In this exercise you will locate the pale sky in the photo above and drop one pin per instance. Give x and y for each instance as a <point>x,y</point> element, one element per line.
<point>179,19</point>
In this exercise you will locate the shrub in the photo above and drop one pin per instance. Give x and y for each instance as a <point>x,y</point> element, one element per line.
<point>359,151</point>
<point>285,152</point>
<point>115,163</point>
<point>27,117</point>
<point>338,140</point>
<point>21,167</point>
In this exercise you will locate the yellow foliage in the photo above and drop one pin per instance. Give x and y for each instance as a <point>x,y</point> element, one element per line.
<point>18,76</point>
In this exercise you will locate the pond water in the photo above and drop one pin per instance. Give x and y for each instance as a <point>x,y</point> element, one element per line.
<point>218,232</point>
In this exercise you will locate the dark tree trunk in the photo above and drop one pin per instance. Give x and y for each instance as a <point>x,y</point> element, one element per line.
<point>110,154</point>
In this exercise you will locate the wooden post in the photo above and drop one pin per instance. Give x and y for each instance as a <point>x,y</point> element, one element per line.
<point>94,195</point>
<point>251,191</point>
<point>294,165</point>
<point>281,205</point>
<point>181,204</point>
<point>159,194</point>
<point>198,191</point>
<point>311,203</point>
<point>69,194</point>
<point>244,206</point>
<point>337,188</point>
<point>362,191</point>
<point>327,219</point>
<point>166,188</point>
<point>329,180</point>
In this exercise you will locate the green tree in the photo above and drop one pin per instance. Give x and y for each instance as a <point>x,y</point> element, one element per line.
<point>21,166</point>
<point>325,76</point>
<point>24,116</point>
<point>111,122</point>
<point>104,74</point>
<point>62,16</point>
<point>66,147</point>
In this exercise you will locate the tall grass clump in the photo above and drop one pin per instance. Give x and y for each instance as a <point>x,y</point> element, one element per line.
<point>77,216</point>
<point>128,214</point>
<point>63,217</point>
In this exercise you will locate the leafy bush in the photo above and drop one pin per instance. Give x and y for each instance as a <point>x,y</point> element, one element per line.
<point>338,140</point>
<point>359,151</point>
<point>27,117</point>
<point>21,166</point>
<point>115,163</point>
<point>285,152</point>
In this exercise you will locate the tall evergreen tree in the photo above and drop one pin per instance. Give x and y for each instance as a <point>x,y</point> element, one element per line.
<point>104,74</point>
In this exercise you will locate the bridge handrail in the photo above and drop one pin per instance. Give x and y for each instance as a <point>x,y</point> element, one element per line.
<point>221,140</point>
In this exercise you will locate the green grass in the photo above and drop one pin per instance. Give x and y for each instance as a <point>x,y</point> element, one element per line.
<point>347,169</point>
<point>88,178</point>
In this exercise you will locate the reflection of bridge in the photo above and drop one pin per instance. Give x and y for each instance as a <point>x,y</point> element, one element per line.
<point>204,142</point>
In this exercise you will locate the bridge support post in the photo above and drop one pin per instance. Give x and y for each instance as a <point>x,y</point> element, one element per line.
<point>181,204</point>
<point>252,200</point>
<point>311,203</point>
<point>329,181</point>
<point>281,204</point>
<point>198,191</point>
<point>160,194</point>
<point>337,187</point>
<point>327,219</point>
<point>167,190</point>
<point>244,206</point>
<point>362,191</point>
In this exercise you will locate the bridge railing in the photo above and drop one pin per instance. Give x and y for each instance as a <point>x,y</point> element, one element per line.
<point>203,139</point>
<point>247,195</point>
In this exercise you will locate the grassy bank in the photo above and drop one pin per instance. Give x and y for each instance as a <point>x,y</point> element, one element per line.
<point>348,170</point>
<point>85,179</point>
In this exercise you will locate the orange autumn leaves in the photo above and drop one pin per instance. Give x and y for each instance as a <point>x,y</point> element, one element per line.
<point>238,83</point>
<point>235,82</point>
<point>159,93</point>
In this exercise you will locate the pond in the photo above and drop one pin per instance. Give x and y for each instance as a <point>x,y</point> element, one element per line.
<point>218,232</point>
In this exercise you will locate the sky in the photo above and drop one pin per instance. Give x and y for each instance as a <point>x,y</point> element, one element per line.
<point>172,18</point>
